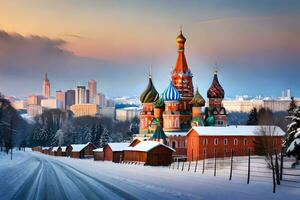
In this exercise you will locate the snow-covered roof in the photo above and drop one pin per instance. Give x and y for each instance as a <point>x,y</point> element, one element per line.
<point>98,150</point>
<point>54,149</point>
<point>118,146</point>
<point>63,149</point>
<point>78,147</point>
<point>238,130</point>
<point>176,133</point>
<point>46,148</point>
<point>147,146</point>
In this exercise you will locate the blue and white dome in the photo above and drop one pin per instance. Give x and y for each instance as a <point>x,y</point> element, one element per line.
<point>171,93</point>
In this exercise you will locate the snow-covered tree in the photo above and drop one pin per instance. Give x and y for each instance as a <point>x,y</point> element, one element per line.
<point>104,138</point>
<point>293,134</point>
<point>59,137</point>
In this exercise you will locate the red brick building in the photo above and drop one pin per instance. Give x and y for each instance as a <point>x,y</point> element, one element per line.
<point>206,141</point>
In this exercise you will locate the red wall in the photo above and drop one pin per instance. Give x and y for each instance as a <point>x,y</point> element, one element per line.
<point>196,146</point>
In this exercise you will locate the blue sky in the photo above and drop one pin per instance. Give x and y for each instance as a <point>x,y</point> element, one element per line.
<point>255,44</point>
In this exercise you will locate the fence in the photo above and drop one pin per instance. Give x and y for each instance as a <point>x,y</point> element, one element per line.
<point>277,170</point>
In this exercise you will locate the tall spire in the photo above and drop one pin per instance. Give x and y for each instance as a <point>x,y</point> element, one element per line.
<point>46,77</point>
<point>181,63</point>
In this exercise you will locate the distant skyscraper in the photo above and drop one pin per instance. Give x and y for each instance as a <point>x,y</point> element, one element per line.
<point>100,100</point>
<point>93,91</point>
<point>80,95</point>
<point>69,98</point>
<point>60,96</point>
<point>46,86</point>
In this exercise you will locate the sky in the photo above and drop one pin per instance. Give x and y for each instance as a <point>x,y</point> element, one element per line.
<point>255,44</point>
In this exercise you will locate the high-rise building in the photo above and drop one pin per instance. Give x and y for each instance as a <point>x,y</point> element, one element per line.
<point>92,84</point>
<point>34,99</point>
<point>69,98</point>
<point>60,96</point>
<point>46,86</point>
<point>101,100</point>
<point>80,95</point>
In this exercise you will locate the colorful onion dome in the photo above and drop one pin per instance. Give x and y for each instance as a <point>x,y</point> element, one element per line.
<point>197,100</point>
<point>171,93</point>
<point>150,94</point>
<point>159,103</point>
<point>215,90</point>
<point>180,38</point>
<point>159,133</point>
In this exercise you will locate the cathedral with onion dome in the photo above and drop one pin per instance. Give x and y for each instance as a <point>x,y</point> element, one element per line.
<point>179,106</point>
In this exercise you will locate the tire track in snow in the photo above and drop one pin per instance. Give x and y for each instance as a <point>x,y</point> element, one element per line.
<point>24,191</point>
<point>74,173</point>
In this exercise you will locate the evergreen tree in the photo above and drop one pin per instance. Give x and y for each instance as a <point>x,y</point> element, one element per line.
<point>104,138</point>
<point>292,105</point>
<point>293,134</point>
<point>253,117</point>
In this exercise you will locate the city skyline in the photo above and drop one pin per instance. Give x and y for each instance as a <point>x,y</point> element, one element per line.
<point>255,45</point>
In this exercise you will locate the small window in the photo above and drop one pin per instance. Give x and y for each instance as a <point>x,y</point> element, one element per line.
<point>216,141</point>
<point>235,141</point>
<point>205,141</point>
<point>245,142</point>
<point>225,152</point>
<point>174,144</point>
<point>225,141</point>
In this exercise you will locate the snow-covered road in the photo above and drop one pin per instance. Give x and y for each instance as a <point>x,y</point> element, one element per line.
<point>36,176</point>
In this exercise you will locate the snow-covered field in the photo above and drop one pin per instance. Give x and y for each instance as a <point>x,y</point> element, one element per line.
<point>33,175</point>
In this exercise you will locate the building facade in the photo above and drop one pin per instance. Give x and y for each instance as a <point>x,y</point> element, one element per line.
<point>85,110</point>
<point>51,103</point>
<point>61,96</point>
<point>92,85</point>
<point>80,95</point>
<point>69,98</point>
<point>127,114</point>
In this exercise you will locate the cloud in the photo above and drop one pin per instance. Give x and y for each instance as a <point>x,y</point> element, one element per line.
<point>24,60</point>
<point>74,36</point>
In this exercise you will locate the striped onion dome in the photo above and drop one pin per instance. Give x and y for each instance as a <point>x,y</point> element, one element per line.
<point>171,93</point>
<point>150,94</point>
<point>215,90</point>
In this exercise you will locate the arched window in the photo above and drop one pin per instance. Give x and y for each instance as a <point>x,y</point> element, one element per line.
<point>235,141</point>
<point>173,144</point>
<point>245,141</point>
<point>205,141</point>
<point>225,141</point>
<point>216,141</point>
